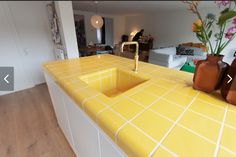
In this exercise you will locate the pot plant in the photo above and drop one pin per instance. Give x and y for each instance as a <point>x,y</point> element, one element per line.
<point>209,73</point>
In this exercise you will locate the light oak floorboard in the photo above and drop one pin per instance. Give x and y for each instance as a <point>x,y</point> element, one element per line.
<point>28,126</point>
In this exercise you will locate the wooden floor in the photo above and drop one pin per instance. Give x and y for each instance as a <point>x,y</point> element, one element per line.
<point>28,126</point>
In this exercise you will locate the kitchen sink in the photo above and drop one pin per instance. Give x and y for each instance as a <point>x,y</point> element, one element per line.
<point>113,81</point>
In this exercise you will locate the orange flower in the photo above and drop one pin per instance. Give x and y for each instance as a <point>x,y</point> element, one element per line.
<point>197,26</point>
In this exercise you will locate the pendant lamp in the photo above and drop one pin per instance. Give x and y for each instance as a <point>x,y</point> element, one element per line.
<point>96,20</point>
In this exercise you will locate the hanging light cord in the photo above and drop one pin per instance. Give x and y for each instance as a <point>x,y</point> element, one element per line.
<point>96,7</point>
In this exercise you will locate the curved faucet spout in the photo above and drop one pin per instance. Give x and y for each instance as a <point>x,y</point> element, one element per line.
<point>130,43</point>
<point>136,52</point>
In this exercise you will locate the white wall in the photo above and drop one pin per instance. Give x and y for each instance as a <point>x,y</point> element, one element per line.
<point>66,19</point>
<point>118,23</point>
<point>168,28</point>
<point>65,15</point>
<point>26,41</point>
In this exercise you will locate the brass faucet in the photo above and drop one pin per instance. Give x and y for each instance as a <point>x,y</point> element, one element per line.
<point>136,52</point>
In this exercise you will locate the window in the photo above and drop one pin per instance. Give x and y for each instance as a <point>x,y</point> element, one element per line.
<point>99,35</point>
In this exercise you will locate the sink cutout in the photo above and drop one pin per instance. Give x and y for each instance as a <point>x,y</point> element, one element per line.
<point>112,82</point>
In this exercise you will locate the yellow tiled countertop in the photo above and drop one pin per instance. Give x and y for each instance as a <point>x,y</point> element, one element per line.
<point>160,117</point>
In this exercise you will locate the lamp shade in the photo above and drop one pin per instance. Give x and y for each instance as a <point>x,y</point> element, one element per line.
<point>96,21</point>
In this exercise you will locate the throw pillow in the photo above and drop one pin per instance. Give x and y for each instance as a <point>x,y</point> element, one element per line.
<point>184,50</point>
<point>188,50</point>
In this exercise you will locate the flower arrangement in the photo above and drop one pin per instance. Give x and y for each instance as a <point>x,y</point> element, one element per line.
<point>204,27</point>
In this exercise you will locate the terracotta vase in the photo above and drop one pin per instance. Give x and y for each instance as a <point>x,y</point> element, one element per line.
<point>209,74</point>
<point>228,90</point>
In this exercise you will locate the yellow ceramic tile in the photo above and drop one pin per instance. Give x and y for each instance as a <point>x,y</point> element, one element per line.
<point>106,84</point>
<point>167,109</point>
<point>93,107</point>
<point>160,152</point>
<point>110,122</point>
<point>134,143</point>
<point>231,118</point>
<point>166,84</point>
<point>201,125</point>
<point>127,108</point>
<point>186,89</point>
<point>95,85</point>
<point>232,107</point>
<point>179,99</point>
<point>208,110</point>
<point>229,138</point>
<point>153,124</point>
<point>156,90</point>
<point>108,100</point>
<point>76,85</point>
<point>81,95</point>
<point>185,144</point>
<point>213,98</point>
<point>224,153</point>
<point>144,98</point>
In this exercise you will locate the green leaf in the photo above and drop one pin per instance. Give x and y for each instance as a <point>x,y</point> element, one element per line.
<point>226,16</point>
<point>224,11</point>
<point>209,34</point>
<point>199,37</point>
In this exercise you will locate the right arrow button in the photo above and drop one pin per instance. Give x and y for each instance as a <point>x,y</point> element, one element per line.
<point>230,78</point>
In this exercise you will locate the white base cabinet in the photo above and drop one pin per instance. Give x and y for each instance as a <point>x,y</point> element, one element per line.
<point>84,136</point>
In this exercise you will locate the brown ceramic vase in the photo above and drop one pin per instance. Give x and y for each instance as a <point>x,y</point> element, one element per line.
<point>228,90</point>
<point>209,74</point>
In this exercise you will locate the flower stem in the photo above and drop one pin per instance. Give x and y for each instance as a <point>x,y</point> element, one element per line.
<point>222,30</point>
<point>204,31</point>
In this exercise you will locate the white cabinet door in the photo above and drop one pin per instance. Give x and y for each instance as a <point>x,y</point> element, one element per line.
<point>57,96</point>
<point>62,112</point>
<point>54,100</point>
<point>108,149</point>
<point>85,135</point>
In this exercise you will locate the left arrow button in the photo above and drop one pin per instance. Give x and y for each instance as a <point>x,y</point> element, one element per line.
<point>5,78</point>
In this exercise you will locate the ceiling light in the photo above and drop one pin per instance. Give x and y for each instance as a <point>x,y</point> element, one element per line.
<point>96,20</point>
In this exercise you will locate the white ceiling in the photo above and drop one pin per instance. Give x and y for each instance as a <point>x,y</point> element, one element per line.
<point>134,7</point>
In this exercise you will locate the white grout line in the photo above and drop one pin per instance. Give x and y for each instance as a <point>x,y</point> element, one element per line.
<point>232,110</point>
<point>231,127</point>
<point>89,98</point>
<point>80,89</point>
<point>200,114</point>
<point>122,98</point>
<point>180,125</point>
<point>221,133</point>
<point>197,134</point>
<point>161,115</point>
<point>190,130</point>
<point>228,150</point>
<point>206,102</point>
<point>143,132</point>
<point>139,129</point>
<point>173,103</point>
<point>146,108</point>
<point>205,116</point>
<point>172,127</point>
<point>166,149</point>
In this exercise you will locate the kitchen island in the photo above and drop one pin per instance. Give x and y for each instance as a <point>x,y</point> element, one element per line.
<point>107,110</point>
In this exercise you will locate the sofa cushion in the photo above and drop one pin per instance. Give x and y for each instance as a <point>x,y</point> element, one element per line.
<point>163,54</point>
<point>171,64</point>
